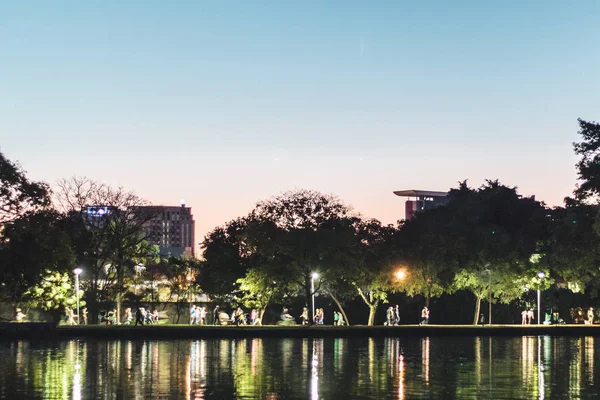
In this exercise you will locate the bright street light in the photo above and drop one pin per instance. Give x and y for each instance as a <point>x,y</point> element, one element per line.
<point>400,274</point>
<point>77,272</point>
<point>540,275</point>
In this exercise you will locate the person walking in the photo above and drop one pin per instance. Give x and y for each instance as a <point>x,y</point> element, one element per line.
<point>397,315</point>
<point>590,315</point>
<point>304,316</point>
<point>336,318</point>
<point>524,317</point>
<point>128,317</point>
<point>424,316</point>
<point>389,316</point>
<point>192,314</point>
<point>202,315</point>
<point>140,316</point>
<point>529,316</point>
<point>216,316</point>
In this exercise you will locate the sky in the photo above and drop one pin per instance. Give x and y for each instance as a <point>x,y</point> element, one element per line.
<point>225,103</point>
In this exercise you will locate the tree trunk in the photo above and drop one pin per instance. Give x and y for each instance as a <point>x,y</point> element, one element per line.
<point>372,303</point>
<point>339,304</point>
<point>373,310</point>
<point>261,314</point>
<point>428,296</point>
<point>477,309</point>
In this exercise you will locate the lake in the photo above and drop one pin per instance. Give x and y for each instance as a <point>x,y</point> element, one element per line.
<point>366,368</point>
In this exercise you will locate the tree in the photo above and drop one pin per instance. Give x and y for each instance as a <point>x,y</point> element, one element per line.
<point>497,232</point>
<point>428,250</point>
<point>30,246</point>
<point>368,263</point>
<point>112,239</point>
<point>588,167</point>
<point>179,274</point>
<point>19,195</point>
<point>260,287</point>
<point>224,262</point>
<point>54,291</point>
<point>572,249</point>
<point>305,230</point>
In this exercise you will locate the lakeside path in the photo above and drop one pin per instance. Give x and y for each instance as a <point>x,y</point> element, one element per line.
<point>17,331</point>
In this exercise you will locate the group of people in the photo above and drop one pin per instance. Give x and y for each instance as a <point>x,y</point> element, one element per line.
<point>142,316</point>
<point>319,317</point>
<point>526,317</point>
<point>580,318</point>
<point>197,315</point>
<point>237,317</point>
<point>71,316</point>
<point>392,316</point>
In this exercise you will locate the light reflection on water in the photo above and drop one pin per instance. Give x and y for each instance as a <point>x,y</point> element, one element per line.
<point>391,368</point>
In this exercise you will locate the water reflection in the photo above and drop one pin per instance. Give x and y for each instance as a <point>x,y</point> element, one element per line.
<point>314,376</point>
<point>425,359</point>
<point>394,368</point>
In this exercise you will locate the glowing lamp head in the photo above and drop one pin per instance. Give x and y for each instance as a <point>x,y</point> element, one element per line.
<point>400,274</point>
<point>77,271</point>
<point>541,275</point>
<point>315,275</point>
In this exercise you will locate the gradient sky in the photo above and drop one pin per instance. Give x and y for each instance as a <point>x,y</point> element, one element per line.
<point>224,103</point>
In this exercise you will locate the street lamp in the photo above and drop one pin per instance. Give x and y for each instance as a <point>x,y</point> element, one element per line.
<point>540,275</point>
<point>313,276</point>
<point>489,296</point>
<point>400,274</point>
<point>77,272</point>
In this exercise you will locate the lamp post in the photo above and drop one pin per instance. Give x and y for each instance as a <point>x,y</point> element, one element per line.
<point>540,275</point>
<point>313,276</point>
<point>77,272</point>
<point>490,297</point>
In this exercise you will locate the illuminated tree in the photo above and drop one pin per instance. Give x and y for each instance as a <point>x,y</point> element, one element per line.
<point>53,292</point>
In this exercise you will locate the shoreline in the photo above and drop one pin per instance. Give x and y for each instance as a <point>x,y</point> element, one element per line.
<point>19,331</point>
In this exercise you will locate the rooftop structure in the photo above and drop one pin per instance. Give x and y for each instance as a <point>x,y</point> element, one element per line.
<point>420,200</point>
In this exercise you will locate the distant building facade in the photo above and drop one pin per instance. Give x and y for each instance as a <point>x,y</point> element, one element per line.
<point>172,229</point>
<point>420,200</point>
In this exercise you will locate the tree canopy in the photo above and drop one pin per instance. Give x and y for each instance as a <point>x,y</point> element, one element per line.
<point>18,194</point>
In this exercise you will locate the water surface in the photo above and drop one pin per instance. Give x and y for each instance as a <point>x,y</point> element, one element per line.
<point>391,368</point>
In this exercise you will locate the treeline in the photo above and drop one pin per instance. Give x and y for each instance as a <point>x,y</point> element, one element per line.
<point>487,240</point>
<point>46,233</point>
<point>490,241</point>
